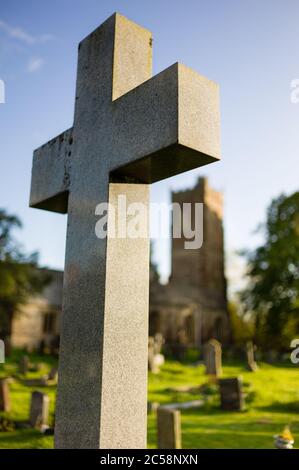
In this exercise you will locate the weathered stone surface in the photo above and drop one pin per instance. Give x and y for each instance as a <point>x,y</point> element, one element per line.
<point>39,409</point>
<point>4,396</point>
<point>231,394</point>
<point>129,130</point>
<point>169,428</point>
<point>213,358</point>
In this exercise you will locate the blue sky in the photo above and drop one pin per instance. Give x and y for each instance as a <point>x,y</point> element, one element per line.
<point>249,47</point>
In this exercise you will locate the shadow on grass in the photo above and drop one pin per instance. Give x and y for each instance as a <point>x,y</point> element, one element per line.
<point>29,438</point>
<point>279,407</point>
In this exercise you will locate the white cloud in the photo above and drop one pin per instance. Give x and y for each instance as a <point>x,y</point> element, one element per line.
<point>34,64</point>
<point>21,35</point>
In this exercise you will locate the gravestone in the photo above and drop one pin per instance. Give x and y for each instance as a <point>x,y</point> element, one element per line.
<point>24,365</point>
<point>152,365</point>
<point>158,343</point>
<point>180,346</point>
<point>4,396</point>
<point>130,130</point>
<point>251,364</point>
<point>213,358</point>
<point>155,358</point>
<point>231,394</point>
<point>53,374</point>
<point>2,351</point>
<point>39,409</point>
<point>169,428</point>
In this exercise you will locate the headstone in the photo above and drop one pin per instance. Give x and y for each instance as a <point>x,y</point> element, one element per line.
<point>2,351</point>
<point>129,131</point>
<point>231,394</point>
<point>251,364</point>
<point>169,428</point>
<point>53,374</point>
<point>4,396</point>
<point>158,343</point>
<point>24,365</point>
<point>213,358</point>
<point>39,409</point>
<point>155,359</point>
<point>152,364</point>
<point>180,345</point>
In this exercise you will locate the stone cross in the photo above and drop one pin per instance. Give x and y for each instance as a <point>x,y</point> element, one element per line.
<point>169,428</point>
<point>130,129</point>
<point>39,409</point>
<point>213,358</point>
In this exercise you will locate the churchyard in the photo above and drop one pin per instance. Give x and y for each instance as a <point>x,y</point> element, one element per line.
<point>122,372</point>
<point>271,402</point>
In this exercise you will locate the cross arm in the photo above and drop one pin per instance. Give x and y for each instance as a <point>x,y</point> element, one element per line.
<point>173,125</point>
<point>51,174</point>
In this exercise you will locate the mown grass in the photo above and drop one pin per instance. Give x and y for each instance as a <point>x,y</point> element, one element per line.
<point>272,401</point>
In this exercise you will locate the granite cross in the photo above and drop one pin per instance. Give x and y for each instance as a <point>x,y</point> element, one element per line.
<point>130,129</point>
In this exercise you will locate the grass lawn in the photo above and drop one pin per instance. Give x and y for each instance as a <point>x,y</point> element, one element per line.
<point>272,401</point>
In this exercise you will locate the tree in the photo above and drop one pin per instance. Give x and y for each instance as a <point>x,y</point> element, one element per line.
<point>272,296</point>
<point>19,273</point>
<point>242,328</point>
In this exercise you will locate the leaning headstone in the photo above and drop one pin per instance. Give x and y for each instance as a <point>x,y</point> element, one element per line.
<point>231,394</point>
<point>130,130</point>
<point>169,428</point>
<point>251,364</point>
<point>24,365</point>
<point>4,396</point>
<point>53,374</point>
<point>39,409</point>
<point>213,358</point>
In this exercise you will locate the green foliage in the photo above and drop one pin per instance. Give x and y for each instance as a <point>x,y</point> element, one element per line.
<point>19,276</point>
<point>242,330</point>
<point>272,296</point>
